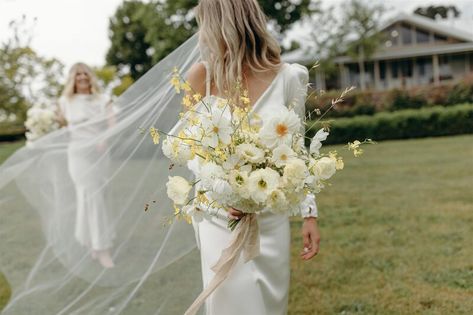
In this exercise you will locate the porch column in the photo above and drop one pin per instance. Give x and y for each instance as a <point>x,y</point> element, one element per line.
<point>467,64</point>
<point>377,76</point>
<point>415,71</point>
<point>436,69</point>
<point>320,80</point>
<point>389,74</point>
<point>343,76</point>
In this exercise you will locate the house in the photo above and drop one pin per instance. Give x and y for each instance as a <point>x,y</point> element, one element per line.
<point>417,51</point>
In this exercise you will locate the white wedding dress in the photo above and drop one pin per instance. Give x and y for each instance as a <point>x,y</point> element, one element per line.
<point>260,286</point>
<point>92,228</point>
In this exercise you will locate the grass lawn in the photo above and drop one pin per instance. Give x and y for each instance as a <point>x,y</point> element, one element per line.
<point>396,232</point>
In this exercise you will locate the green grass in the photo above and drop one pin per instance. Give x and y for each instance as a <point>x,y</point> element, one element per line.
<point>396,227</point>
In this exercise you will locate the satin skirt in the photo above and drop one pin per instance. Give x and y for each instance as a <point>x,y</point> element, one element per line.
<point>258,287</point>
<point>92,228</point>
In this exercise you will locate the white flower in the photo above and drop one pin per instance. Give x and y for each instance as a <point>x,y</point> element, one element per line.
<point>176,150</point>
<point>277,201</point>
<point>326,167</point>
<point>232,162</point>
<point>178,189</point>
<point>221,187</point>
<point>280,128</point>
<point>209,173</point>
<point>217,127</point>
<point>316,143</point>
<point>282,155</point>
<point>239,182</point>
<point>262,183</point>
<point>295,173</point>
<point>250,153</point>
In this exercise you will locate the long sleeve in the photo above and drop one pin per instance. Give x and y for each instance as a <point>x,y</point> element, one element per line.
<point>296,92</point>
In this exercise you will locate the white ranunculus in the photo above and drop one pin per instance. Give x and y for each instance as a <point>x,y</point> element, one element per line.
<point>316,143</point>
<point>326,167</point>
<point>295,173</point>
<point>217,127</point>
<point>209,173</point>
<point>178,189</point>
<point>177,151</point>
<point>262,182</point>
<point>280,128</point>
<point>277,201</point>
<point>239,181</point>
<point>282,155</point>
<point>250,153</point>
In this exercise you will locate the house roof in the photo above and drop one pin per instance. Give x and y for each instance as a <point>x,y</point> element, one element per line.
<point>414,51</point>
<point>304,55</point>
<point>429,24</point>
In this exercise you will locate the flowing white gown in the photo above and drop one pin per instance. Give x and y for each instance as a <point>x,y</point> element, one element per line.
<point>260,286</point>
<point>92,228</point>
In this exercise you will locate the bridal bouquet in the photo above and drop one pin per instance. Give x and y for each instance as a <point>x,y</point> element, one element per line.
<point>245,161</point>
<point>40,121</point>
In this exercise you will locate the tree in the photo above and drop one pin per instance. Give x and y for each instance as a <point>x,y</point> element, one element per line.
<point>26,78</point>
<point>144,33</point>
<point>362,23</point>
<point>432,11</point>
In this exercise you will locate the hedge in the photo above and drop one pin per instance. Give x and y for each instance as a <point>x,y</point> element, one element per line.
<point>403,124</point>
<point>370,102</point>
<point>12,131</point>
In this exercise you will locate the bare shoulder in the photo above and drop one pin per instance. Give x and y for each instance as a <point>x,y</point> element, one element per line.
<point>196,77</point>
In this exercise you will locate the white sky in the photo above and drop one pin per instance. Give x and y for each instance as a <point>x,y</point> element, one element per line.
<point>76,30</point>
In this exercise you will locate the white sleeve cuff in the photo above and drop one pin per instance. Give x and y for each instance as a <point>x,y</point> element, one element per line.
<point>308,207</point>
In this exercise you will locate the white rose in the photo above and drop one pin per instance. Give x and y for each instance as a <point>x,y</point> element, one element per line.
<point>295,173</point>
<point>178,189</point>
<point>326,167</point>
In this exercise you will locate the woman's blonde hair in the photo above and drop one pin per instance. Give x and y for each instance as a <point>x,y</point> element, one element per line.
<point>70,86</point>
<point>236,34</point>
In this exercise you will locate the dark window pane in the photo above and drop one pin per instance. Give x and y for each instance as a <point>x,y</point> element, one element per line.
<point>394,69</point>
<point>406,34</point>
<point>439,38</point>
<point>422,36</point>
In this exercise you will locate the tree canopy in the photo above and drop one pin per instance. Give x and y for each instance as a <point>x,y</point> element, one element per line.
<point>141,33</point>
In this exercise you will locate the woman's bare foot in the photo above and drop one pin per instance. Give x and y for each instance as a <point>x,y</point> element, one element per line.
<point>104,258</point>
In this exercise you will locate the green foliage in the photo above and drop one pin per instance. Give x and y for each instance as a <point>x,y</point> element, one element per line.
<point>142,34</point>
<point>26,78</point>
<point>403,124</point>
<point>432,11</point>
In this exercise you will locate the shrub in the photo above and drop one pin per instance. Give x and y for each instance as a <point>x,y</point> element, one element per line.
<point>403,124</point>
<point>371,102</point>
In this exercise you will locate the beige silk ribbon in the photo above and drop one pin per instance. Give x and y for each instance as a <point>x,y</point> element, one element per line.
<point>246,239</point>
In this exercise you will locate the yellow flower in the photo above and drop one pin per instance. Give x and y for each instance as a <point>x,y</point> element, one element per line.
<point>197,97</point>
<point>187,101</point>
<point>339,165</point>
<point>186,86</point>
<point>154,135</point>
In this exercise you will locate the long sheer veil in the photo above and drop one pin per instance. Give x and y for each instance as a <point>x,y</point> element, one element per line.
<point>157,266</point>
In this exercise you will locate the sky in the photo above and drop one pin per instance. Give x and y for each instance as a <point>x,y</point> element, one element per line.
<point>77,30</point>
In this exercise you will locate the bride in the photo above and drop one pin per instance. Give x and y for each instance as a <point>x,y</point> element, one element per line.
<point>157,268</point>
<point>238,48</point>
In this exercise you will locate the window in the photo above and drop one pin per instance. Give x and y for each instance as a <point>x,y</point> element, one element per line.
<point>406,68</point>
<point>394,69</point>
<point>406,34</point>
<point>439,38</point>
<point>422,36</point>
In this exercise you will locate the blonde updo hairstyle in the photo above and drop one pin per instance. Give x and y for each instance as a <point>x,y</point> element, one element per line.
<point>236,35</point>
<point>70,86</point>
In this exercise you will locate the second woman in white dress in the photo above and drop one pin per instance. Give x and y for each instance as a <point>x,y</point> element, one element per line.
<point>79,104</point>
